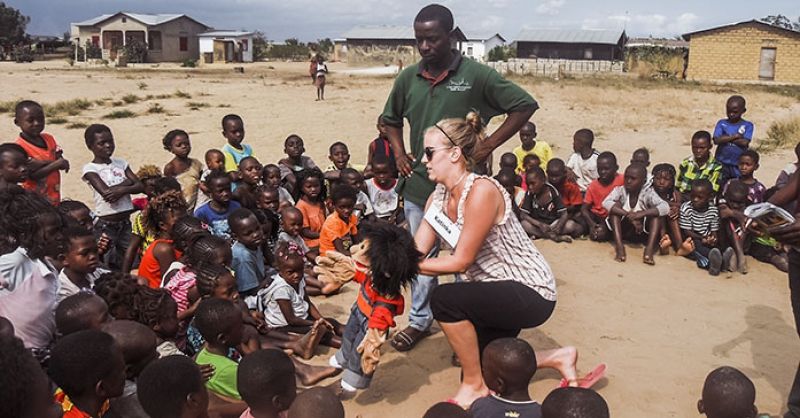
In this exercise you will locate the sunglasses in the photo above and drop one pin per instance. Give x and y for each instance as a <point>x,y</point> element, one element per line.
<point>429,150</point>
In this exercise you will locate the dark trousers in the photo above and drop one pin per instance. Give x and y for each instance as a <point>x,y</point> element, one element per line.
<point>119,235</point>
<point>794,291</point>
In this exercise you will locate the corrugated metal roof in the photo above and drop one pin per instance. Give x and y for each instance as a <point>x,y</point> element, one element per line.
<point>688,36</point>
<point>584,36</point>
<point>380,32</point>
<point>666,43</point>
<point>482,36</point>
<point>147,19</point>
<point>224,33</point>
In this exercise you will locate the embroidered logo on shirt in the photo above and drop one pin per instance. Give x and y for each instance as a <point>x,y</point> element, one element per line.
<point>459,85</point>
<point>512,414</point>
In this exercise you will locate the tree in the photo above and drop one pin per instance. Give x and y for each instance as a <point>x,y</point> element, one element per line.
<point>260,46</point>
<point>12,25</point>
<point>782,21</point>
<point>135,50</point>
<point>325,45</point>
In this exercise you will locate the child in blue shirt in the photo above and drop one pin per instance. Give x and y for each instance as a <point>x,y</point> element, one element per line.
<point>732,136</point>
<point>215,213</point>
<point>248,258</point>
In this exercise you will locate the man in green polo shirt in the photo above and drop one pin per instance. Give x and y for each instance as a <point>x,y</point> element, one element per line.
<point>442,85</point>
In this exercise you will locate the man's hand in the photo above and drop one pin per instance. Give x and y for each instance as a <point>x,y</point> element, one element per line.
<point>403,164</point>
<point>788,234</point>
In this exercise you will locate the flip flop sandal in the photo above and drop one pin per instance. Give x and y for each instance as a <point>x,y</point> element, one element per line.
<point>454,402</point>
<point>403,342</point>
<point>590,379</point>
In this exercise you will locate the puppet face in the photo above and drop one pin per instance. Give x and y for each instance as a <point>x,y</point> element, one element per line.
<point>358,252</point>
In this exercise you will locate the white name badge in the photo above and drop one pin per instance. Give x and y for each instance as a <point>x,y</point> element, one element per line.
<point>447,229</point>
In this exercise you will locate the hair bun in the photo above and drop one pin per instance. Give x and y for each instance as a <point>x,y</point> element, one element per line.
<point>474,120</point>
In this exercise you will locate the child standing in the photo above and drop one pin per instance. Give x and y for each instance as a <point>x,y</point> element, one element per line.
<point>186,170</point>
<point>248,264</point>
<point>112,182</point>
<point>319,80</point>
<point>249,178</point>
<point>382,193</point>
<point>215,213</point>
<point>508,367</point>
<point>732,136</point>
<point>79,263</point>
<point>13,165</point>
<point>46,156</point>
<point>635,211</point>
<point>379,146</point>
<point>267,384</point>
<point>234,151</point>
<point>582,164</point>
<point>295,161</point>
<point>529,145</point>
<point>340,228</point>
<point>701,165</point>
<point>311,194</point>
<point>592,211</point>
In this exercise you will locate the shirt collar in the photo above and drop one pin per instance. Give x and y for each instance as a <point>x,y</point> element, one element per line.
<point>422,70</point>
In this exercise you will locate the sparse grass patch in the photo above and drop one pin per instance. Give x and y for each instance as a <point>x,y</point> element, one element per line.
<point>57,120</point>
<point>131,98</point>
<point>196,105</point>
<point>77,125</point>
<point>163,96</point>
<point>223,105</point>
<point>120,114</point>
<point>7,107</point>
<point>781,134</point>
<point>155,108</point>
<point>117,103</point>
<point>142,85</point>
<point>68,107</point>
<point>182,94</point>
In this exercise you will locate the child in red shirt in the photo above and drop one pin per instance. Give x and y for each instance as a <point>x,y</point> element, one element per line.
<point>592,211</point>
<point>46,156</point>
<point>570,192</point>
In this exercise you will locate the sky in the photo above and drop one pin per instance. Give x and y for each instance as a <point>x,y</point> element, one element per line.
<point>309,20</point>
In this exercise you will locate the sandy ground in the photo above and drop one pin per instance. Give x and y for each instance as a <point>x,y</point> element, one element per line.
<point>660,329</point>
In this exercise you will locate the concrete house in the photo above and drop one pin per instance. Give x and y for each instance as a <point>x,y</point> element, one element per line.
<point>750,51</point>
<point>592,45</point>
<point>169,37</point>
<point>477,47</point>
<point>226,46</point>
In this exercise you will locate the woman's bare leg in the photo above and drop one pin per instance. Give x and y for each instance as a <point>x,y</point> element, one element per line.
<point>464,340</point>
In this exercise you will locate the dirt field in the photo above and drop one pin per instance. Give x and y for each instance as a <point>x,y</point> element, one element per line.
<point>660,329</point>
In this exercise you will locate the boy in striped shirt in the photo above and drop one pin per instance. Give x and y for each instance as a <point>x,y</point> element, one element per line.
<point>699,221</point>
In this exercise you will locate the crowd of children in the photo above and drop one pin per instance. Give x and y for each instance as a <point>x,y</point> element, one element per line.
<point>224,258</point>
<point>695,211</point>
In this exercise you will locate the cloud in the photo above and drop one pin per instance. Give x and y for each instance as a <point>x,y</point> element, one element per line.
<point>645,24</point>
<point>550,7</point>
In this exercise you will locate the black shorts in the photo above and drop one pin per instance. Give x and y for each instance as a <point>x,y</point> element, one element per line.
<point>496,309</point>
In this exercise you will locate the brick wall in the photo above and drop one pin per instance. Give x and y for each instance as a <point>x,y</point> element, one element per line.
<point>734,53</point>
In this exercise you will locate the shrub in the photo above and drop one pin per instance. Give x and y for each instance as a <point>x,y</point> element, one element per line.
<point>57,121</point>
<point>69,107</point>
<point>155,108</point>
<point>130,98</point>
<point>189,63</point>
<point>142,85</point>
<point>120,114</point>
<point>196,105</point>
<point>77,125</point>
<point>781,134</point>
<point>182,94</point>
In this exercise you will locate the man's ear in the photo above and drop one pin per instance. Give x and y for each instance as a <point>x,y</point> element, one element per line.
<point>701,408</point>
<point>755,411</point>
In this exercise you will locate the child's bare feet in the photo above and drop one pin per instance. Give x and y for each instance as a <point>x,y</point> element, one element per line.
<point>620,256</point>
<point>743,265</point>
<point>311,375</point>
<point>648,259</point>
<point>305,346</point>
<point>664,245</point>
<point>562,238</point>
<point>686,247</point>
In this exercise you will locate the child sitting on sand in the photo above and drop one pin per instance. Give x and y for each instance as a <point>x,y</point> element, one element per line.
<point>699,222</point>
<point>543,214</point>
<point>582,164</point>
<point>664,186</point>
<point>593,213</point>
<point>530,161</point>
<point>13,165</point>
<point>508,367</point>
<point>701,165</point>
<point>215,213</point>
<point>727,392</point>
<point>340,229</point>
<point>267,384</point>
<point>634,213</point>
<point>568,190</point>
<point>571,402</point>
<point>295,161</point>
<point>249,178</point>
<point>271,176</point>
<point>215,160</point>
<point>748,164</point>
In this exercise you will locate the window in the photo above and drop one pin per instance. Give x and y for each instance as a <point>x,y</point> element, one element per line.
<point>96,40</point>
<point>154,41</point>
<point>587,53</point>
<point>124,20</point>
<point>469,51</point>
<point>184,43</point>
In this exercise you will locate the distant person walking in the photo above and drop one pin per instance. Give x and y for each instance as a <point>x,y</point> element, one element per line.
<point>312,69</point>
<point>321,71</point>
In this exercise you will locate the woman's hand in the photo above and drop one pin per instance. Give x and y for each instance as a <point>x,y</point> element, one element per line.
<point>787,234</point>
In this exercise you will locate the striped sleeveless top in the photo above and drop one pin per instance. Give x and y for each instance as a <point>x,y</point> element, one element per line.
<point>507,252</point>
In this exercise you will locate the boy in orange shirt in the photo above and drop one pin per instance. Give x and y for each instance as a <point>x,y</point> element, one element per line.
<point>594,214</point>
<point>340,228</point>
<point>46,157</point>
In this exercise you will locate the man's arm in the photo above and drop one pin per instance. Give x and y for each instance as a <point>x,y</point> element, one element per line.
<point>507,129</point>
<point>395,134</point>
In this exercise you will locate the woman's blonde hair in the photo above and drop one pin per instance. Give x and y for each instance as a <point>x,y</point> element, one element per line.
<point>463,133</point>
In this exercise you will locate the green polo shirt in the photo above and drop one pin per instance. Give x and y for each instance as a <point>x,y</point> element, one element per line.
<point>468,86</point>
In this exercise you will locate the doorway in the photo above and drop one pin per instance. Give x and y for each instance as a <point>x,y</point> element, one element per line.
<point>766,70</point>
